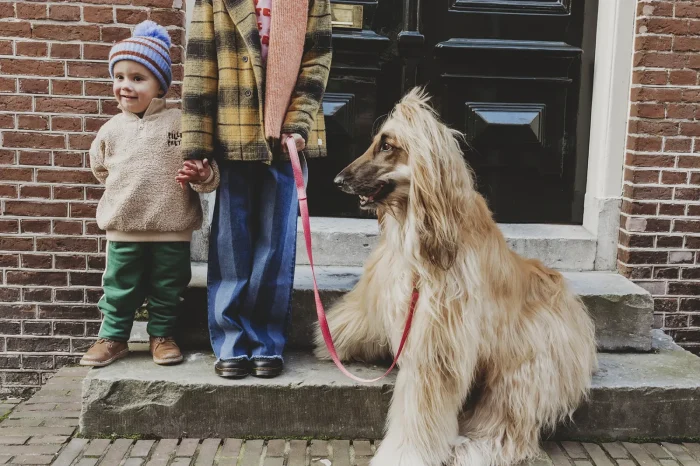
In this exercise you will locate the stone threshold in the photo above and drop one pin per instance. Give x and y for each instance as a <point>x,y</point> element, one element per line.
<point>348,242</point>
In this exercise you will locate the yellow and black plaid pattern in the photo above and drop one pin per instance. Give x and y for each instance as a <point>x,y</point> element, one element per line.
<point>223,89</point>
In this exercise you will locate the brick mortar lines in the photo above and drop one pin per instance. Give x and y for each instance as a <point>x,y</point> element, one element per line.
<point>660,238</point>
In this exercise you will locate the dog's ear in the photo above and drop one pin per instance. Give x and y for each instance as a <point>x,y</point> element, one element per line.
<point>436,225</point>
<point>440,180</point>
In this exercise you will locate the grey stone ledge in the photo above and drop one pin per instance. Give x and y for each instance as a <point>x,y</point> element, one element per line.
<point>633,396</point>
<point>621,310</point>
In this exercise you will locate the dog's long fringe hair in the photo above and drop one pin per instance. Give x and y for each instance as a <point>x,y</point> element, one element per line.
<point>503,332</point>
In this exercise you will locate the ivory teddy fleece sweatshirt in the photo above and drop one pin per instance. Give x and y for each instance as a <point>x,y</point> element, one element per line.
<point>137,160</point>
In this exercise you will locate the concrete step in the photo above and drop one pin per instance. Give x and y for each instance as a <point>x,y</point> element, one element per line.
<point>348,242</point>
<point>633,396</point>
<point>622,311</point>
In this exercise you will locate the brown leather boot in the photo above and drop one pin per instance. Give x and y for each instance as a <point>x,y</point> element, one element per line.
<point>165,351</point>
<point>104,352</point>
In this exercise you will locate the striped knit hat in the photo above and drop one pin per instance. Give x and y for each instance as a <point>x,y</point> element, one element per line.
<point>150,46</point>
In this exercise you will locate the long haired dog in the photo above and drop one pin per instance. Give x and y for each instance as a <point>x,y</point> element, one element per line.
<point>490,326</point>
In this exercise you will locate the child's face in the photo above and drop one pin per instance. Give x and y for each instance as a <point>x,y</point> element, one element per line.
<point>134,86</point>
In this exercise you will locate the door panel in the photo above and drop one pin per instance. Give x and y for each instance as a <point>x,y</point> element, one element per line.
<point>507,73</point>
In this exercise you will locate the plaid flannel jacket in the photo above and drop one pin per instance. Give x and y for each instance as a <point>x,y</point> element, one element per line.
<point>223,89</point>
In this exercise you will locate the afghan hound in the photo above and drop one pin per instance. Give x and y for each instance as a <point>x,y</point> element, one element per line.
<point>500,348</point>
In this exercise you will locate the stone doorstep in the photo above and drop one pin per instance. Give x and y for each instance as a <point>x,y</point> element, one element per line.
<point>348,242</point>
<point>622,311</point>
<point>633,396</point>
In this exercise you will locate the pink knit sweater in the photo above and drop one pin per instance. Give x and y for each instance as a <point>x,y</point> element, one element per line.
<point>287,35</point>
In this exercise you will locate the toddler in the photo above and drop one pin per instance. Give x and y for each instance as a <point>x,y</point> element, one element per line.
<point>148,218</point>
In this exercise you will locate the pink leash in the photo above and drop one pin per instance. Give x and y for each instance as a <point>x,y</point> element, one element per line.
<point>323,322</point>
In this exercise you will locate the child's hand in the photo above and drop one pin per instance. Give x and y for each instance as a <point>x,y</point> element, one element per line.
<point>297,139</point>
<point>193,171</point>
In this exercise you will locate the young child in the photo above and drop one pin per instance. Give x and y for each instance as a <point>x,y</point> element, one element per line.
<point>148,218</point>
<point>255,75</point>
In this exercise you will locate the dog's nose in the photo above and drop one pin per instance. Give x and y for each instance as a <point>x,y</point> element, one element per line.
<point>339,180</point>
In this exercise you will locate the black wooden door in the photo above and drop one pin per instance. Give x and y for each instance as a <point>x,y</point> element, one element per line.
<point>513,75</point>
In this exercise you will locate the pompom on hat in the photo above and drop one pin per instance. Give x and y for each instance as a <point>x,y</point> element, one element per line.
<point>150,46</point>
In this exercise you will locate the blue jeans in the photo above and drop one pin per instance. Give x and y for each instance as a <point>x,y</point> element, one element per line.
<point>252,253</point>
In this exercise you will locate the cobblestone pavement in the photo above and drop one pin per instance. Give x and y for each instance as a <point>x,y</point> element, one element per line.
<point>41,431</point>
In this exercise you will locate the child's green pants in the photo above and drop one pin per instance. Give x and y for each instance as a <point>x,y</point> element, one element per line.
<point>159,272</point>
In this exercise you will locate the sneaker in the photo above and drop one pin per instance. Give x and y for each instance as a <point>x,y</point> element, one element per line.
<point>165,351</point>
<point>104,352</point>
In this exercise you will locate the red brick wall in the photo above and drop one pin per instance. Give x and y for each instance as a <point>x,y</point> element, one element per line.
<point>660,224</point>
<point>55,94</point>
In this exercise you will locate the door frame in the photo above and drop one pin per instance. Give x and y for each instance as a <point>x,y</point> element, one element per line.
<point>608,134</point>
<point>608,131</point>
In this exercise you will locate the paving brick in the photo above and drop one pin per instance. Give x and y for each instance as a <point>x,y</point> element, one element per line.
<point>681,454</point>
<point>97,447</point>
<point>668,462</point>
<point>37,407</point>
<point>275,448</point>
<point>142,448</point>
<point>22,422</point>
<point>694,449</point>
<point>32,459</point>
<point>341,452</point>
<point>207,452</point>
<point>542,460</point>
<point>319,448</point>
<point>597,454</point>
<point>583,463</point>
<point>44,414</point>
<point>48,439</point>
<point>139,462</point>
<point>297,453</point>
<point>639,454</point>
<point>574,449</point>
<point>556,454</point>
<point>116,451</point>
<point>626,463</point>
<point>657,451</point>
<point>13,440</point>
<point>75,398</point>
<point>228,456</point>
<point>270,461</point>
<point>31,449</point>
<point>60,422</point>
<point>71,452</point>
<point>187,447</point>
<point>4,458</point>
<point>6,431</point>
<point>164,450</point>
<point>252,450</point>
<point>88,462</point>
<point>362,447</point>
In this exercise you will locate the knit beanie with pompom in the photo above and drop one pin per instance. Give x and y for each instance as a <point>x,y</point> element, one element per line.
<point>150,46</point>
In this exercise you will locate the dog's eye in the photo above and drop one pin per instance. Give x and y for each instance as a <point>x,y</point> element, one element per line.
<point>386,147</point>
